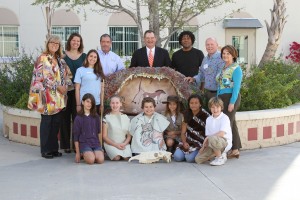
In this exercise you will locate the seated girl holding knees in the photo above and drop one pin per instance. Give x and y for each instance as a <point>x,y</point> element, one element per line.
<point>85,131</point>
<point>147,129</point>
<point>219,136</point>
<point>192,131</point>
<point>175,117</point>
<point>116,132</point>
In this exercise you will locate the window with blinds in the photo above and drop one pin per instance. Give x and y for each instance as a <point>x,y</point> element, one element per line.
<point>64,32</point>
<point>9,41</point>
<point>125,40</point>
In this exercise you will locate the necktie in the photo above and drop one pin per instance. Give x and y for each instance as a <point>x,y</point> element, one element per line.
<point>150,58</point>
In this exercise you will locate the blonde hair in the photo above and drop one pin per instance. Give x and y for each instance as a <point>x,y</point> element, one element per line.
<point>215,101</point>
<point>54,38</point>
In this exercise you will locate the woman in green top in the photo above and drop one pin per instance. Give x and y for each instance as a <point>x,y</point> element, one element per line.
<point>74,58</point>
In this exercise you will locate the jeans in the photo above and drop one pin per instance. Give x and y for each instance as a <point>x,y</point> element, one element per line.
<point>49,129</point>
<point>179,156</point>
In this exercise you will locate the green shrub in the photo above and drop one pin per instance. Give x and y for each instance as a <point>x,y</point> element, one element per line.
<point>15,78</point>
<point>275,85</point>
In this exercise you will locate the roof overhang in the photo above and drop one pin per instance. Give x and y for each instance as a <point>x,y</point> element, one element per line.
<point>242,23</point>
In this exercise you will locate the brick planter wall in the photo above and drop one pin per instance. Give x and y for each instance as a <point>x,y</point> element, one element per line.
<point>257,129</point>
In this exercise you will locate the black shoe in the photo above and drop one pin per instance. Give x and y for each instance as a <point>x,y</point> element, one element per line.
<point>56,154</point>
<point>47,155</point>
<point>68,151</point>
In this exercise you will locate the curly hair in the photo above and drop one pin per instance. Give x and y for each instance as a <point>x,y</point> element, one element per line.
<point>188,33</point>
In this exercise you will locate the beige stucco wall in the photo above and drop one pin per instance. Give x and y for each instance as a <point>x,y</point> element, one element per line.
<point>33,29</point>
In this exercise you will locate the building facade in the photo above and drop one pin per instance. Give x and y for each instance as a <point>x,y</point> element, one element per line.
<point>23,26</point>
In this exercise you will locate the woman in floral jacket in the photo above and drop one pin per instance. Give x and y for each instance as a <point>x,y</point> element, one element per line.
<point>47,95</point>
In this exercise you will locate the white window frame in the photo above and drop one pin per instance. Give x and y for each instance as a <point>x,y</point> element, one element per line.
<point>123,42</point>
<point>4,43</point>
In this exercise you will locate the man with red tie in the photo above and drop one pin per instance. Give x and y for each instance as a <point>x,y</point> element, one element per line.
<point>150,55</point>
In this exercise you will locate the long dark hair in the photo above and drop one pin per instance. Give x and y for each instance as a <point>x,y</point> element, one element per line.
<point>93,111</point>
<point>98,70</point>
<point>178,109</point>
<point>188,114</point>
<point>68,45</point>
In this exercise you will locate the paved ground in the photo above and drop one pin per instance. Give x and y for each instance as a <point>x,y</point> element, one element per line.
<point>262,174</point>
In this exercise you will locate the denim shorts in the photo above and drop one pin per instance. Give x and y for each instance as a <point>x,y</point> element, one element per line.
<point>92,149</point>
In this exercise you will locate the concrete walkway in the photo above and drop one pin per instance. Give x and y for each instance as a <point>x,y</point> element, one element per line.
<point>262,174</point>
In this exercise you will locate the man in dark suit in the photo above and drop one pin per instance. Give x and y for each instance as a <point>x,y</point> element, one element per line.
<point>150,55</point>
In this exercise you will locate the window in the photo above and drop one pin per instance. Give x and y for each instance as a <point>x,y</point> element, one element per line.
<point>125,40</point>
<point>64,32</point>
<point>9,41</point>
<point>241,45</point>
<point>174,44</point>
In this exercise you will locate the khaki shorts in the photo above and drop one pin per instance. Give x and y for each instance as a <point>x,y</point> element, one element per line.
<point>215,143</point>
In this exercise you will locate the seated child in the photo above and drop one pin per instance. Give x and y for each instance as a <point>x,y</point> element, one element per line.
<point>192,131</point>
<point>85,131</point>
<point>116,132</point>
<point>175,117</point>
<point>219,135</point>
<point>147,129</point>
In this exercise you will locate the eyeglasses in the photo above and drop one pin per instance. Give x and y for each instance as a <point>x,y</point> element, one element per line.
<point>54,43</point>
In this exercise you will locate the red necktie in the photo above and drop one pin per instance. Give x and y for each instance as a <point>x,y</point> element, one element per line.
<point>150,58</point>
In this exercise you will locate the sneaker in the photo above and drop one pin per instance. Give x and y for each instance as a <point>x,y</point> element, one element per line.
<point>218,161</point>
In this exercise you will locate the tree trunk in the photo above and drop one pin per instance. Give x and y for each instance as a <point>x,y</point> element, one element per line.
<point>154,19</point>
<point>278,20</point>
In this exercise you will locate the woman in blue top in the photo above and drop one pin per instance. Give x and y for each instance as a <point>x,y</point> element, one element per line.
<point>88,79</point>
<point>229,85</point>
<point>74,58</point>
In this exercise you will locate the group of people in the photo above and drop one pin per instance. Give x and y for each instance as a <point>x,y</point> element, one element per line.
<point>66,86</point>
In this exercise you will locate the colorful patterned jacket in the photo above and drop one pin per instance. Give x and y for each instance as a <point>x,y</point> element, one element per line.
<point>43,95</point>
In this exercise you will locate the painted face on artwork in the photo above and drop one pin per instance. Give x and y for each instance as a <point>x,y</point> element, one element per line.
<point>75,43</point>
<point>195,104</point>
<point>150,40</point>
<point>115,104</point>
<point>149,109</point>
<point>105,44</point>
<point>87,105</point>
<point>172,106</point>
<point>215,110</point>
<point>211,46</point>
<point>227,57</point>
<point>53,46</point>
<point>92,59</point>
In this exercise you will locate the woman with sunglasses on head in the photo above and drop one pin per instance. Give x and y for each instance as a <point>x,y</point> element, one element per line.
<point>47,95</point>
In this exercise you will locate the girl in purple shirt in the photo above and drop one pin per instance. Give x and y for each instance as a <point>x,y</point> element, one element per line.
<point>85,130</point>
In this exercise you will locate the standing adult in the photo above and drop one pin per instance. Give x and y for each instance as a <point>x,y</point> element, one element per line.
<point>74,58</point>
<point>110,61</point>
<point>47,95</point>
<point>150,55</point>
<point>210,67</point>
<point>188,59</point>
<point>229,85</point>
<point>88,79</point>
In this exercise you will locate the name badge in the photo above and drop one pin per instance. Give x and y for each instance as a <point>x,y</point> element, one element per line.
<point>205,66</point>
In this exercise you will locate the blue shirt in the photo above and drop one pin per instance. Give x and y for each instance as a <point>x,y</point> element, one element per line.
<point>230,81</point>
<point>110,62</point>
<point>89,82</point>
<point>210,67</point>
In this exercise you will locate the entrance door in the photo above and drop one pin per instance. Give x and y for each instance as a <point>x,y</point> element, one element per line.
<point>244,40</point>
